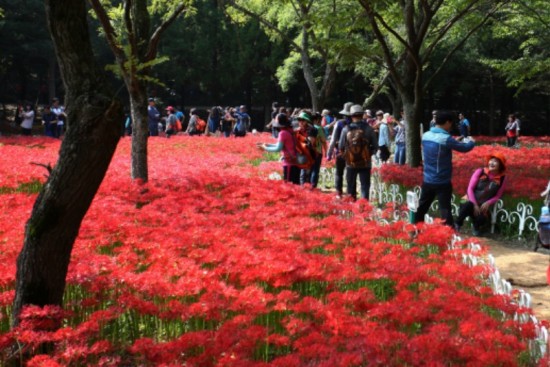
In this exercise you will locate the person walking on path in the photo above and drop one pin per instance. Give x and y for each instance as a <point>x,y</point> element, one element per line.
<point>333,150</point>
<point>437,151</point>
<point>286,144</point>
<point>357,144</point>
<point>485,189</point>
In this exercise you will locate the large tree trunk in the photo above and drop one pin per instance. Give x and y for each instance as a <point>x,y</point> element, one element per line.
<point>89,144</point>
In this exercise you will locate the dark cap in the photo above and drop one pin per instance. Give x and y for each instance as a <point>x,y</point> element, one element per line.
<point>281,121</point>
<point>151,99</point>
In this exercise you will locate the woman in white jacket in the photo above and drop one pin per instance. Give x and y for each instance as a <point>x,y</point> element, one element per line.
<point>27,115</point>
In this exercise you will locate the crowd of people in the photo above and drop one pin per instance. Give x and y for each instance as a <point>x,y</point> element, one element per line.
<point>351,140</point>
<point>220,121</point>
<point>305,138</point>
<point>356,137</point>
<point>53,118</point>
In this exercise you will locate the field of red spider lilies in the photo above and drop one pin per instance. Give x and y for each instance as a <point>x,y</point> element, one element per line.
<point>211,264</point>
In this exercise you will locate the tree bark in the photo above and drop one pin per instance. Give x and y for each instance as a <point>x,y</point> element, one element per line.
<point>140,133</point>
<point>93,132</point>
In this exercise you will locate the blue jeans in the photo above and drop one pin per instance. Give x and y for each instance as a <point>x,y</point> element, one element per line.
<point>400,153</point>
<point>364,179</point>
<point>213,125</point>
<point>153,129</point>
<point>444,193</point>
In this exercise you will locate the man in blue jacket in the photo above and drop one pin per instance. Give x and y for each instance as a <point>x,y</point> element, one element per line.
<point>437,151</point>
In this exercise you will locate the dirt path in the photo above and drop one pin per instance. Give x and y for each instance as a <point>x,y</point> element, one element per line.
<point>524,269</point>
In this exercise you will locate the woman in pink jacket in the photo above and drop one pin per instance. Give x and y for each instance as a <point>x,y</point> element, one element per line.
<point>485,189</point>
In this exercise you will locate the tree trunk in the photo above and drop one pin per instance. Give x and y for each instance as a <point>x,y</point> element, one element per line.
<point>307,69</point>
<point>413,115</point>
<point>140,133</point>
<point>85,154</point>
<point>411,93</point>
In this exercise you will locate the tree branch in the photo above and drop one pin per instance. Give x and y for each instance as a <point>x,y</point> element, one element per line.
<point>378,34</point>
<point>110,33</point>
<point>450,23</point>
<point>155,38</point>
<point>269,25</point>
<point>458,46</point>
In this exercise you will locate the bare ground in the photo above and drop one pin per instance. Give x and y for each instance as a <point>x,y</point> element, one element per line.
<point>524,269</point>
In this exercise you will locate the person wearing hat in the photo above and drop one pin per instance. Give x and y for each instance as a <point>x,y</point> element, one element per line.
<point>357,144</point>
<point>333,151</point>
<point>171,122</point>
<point>320,147</point>
<point>485,189</point>
<point>153,118</point>
<point>437,151</point>
<point>306,135</point>
<point>287,145</point>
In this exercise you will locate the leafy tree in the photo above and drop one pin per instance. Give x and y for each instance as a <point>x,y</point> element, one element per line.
<point>525,25</point>
<point>27,61</point>
<point>408,32</point>
<point>216,61</point>
<point>310,29</point>
<point>126,27</point>
<point>72,184</point>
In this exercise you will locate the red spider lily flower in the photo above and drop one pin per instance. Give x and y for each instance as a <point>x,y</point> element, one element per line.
<point>43,361</point>
<point>210,264</point>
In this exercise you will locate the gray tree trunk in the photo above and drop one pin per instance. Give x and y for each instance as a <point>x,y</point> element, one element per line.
<point>140,134</point>
<point>87,149</point>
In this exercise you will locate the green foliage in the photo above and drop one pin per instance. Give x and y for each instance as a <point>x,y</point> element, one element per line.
<point>31,187</point>
<point>288,72</point>
<point>526,26</point>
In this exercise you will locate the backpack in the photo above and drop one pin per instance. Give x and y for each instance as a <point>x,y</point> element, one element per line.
<point>357,153</point>
<point>200,125</point>
<point>304,150</point>
<point>175,123</point>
